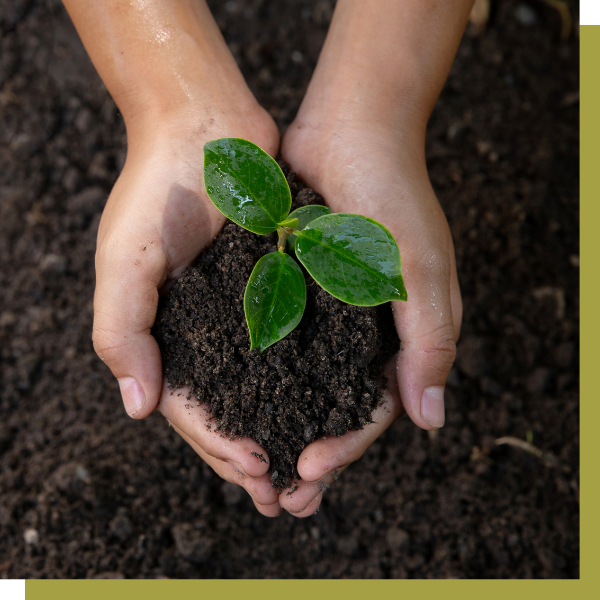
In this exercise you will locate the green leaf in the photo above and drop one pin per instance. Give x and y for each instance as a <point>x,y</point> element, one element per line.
<point>246,184</point>
<point>289,223</point>
<point>352,257</point>
<point>305,215</point>
<point>274,300</point>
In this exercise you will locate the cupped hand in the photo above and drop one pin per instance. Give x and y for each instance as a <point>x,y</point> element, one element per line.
<point>156,221</point>
<point>235,460</point>
<point>365,170</point>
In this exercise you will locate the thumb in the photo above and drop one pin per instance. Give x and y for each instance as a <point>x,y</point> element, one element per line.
<point>428,326</point>
<point>129,271</point>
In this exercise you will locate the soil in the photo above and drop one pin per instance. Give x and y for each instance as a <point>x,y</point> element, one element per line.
<point>112,497</point>
<point>318,381</point>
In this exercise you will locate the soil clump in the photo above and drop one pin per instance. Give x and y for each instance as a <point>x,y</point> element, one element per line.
<point>318,381</point>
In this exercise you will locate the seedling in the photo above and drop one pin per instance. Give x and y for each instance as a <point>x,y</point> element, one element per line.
<point>352,257</point>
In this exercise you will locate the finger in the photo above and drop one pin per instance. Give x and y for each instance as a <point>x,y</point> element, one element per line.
<point>260,489</point>
<point>195,422</point>
<point>296,498</point>
<point>129,270</point>
<point>323,457</point>
<point>311,509</point>
<point>427,327</point>
<point>269,510</point>
<point>455,295</point>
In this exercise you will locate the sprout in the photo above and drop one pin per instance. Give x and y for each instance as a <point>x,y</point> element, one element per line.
<point>352,257</point>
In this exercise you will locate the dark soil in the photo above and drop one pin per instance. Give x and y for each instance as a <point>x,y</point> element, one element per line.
<point>112,497</point>
<point>318,381</point>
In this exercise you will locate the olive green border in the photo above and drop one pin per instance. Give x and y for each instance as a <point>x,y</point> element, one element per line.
<point>501,590</point>
<point>589,127</point>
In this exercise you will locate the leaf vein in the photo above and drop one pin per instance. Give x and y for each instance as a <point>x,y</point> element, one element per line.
<point>348,257</point>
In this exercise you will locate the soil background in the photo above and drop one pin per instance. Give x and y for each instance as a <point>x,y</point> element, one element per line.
<point>87,492</point>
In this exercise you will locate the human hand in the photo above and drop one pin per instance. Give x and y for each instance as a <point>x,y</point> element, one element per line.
<point>359,140</point>
<point>157,220</point>
<point>360,169</point>
<point>177,86</point>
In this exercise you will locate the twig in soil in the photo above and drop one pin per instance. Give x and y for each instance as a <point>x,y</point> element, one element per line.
<point>548,459</point>
<point>565,17</point>
<point>480,14</point>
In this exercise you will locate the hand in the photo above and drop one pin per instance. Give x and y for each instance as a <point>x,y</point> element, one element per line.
<point>359,170</point>
<point>177,86</point>
<point>359,140</point>
<point>157,220</point>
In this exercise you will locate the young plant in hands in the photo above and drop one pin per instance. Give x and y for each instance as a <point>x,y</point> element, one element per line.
<point>352,257</point>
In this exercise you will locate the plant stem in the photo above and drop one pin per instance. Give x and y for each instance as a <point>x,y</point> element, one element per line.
<point>283,233</point>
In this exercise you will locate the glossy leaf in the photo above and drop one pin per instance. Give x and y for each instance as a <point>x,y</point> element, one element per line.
<point>246,184</point>
<point>352,257</point>
<point>274,300</point>
<point>305,215</point>
<point>289,223</point>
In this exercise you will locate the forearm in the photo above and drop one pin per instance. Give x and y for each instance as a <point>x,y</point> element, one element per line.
<point>158,56</point>
<point>388,59</point>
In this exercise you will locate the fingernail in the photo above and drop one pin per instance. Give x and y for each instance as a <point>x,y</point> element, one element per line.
<point>133,395</point>
<point>238,468</point>
<point>432,406</point>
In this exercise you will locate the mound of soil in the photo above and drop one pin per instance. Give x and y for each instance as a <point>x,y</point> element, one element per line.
<point>318,381</point>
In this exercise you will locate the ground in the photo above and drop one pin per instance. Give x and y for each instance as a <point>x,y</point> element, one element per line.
<point>87,492</point>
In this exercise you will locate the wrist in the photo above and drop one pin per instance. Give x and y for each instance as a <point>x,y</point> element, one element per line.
<point>159,58</point>
<point>393,116</point>
<point>350,102</point>
<point>380,72</point>
<point>200,114</point>
<point>203,88</point>
<point>324,146</point>
<point>181,130</point>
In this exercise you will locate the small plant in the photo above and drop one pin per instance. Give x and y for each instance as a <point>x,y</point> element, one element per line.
<point>352,257</point>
